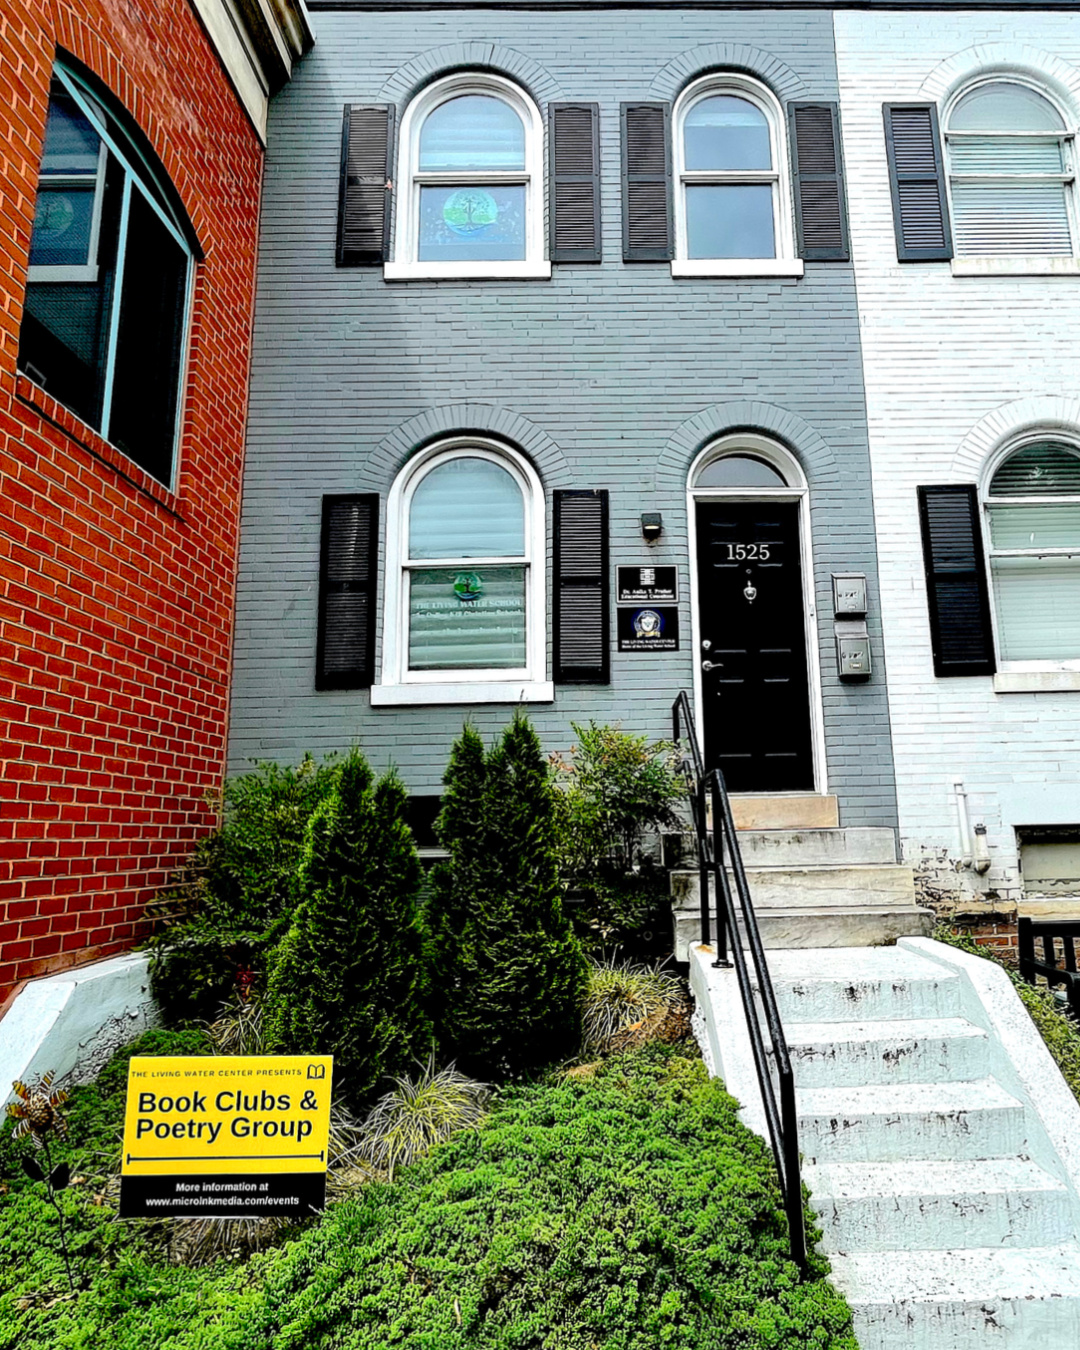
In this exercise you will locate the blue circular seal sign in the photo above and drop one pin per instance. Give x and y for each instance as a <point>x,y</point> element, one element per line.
<point>468,586</point>
<point>648,623</point>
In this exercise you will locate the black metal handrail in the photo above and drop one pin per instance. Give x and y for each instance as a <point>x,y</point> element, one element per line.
<point>718,851</point>
<point>1048,932</point>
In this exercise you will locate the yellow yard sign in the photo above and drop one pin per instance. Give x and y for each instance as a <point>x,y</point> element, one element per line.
<point>216,1134</point>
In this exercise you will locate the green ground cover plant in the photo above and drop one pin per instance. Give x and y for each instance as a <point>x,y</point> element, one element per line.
<point>622,1209</point>
<point>1054,1025</point>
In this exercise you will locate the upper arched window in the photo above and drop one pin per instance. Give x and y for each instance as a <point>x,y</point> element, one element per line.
<point>1032,502</point>
<point>471,196</point>
<point>465,578</point>
<point>732,202</point>
<point>105,319</point>
<point>1010,164</point>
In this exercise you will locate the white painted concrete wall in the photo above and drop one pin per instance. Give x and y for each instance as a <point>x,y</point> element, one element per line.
<point>72,1023</point>
<point>953,365</point>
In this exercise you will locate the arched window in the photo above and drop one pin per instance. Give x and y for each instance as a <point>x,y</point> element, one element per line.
<point>465,578</point>
<point>470,200</point>
<point>1032,504</point>
<point>1010,163</point>
<point>107,293</point>
<point>732,201</point>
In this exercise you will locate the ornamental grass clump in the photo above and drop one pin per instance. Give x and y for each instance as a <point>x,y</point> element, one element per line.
<point>419,1113</point>
<point>626,998</point>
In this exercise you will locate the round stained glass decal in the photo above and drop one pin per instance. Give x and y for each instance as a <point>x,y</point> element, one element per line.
<point>468,586</point>
<point>469,210</point>
<point>53,217</point>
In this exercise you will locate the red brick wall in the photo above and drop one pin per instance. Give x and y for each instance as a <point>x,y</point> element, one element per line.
<point>116,594</point>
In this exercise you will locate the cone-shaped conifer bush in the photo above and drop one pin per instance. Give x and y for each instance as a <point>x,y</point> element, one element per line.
<point>350,976</point>
<point>509,976</point>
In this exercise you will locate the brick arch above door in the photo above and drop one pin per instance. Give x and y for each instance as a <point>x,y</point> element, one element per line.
<point>812,451</point>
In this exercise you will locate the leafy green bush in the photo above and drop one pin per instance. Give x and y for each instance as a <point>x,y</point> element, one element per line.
<point>614,789</point>
<point>419,1112</point>
<point>620,995</point>
<point>508,973</point>
<point>238,893</point>
<point>1054,1025</point>
<point>349,978</point>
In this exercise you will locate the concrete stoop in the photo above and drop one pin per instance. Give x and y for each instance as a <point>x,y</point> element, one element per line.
<point>815,888</point>
<point>940,1143</point>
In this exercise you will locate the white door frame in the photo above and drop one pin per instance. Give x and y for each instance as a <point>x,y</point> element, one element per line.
<point>761,447</point>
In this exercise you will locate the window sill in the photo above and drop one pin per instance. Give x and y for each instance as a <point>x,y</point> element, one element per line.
<point>1036,681</point>
<point>478,691</point>
<point>478,271</point>
<point>1019,266</point>
<point>737,267</point>
<point>89,440</point>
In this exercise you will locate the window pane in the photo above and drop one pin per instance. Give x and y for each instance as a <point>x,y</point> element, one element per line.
<point>467,508</point>
<point>727,133</point>
<point>1011,218</point>
<point>71,143</point>
<point>149,342</point>
<point>1046,467</point>
<point>467,620</point>
<point>1006,154</point>
<point>1037,526</point>
<point>730,221</point>
<point>459,224</point>
<point>1038,608</point>
<point>64,335</point>
<point>474,131</point>
<point>63,218</point>
<point>1005,107</point>
<point>739,471</point>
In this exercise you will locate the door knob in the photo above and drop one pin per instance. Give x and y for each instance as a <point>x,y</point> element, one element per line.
<point>712,665</point>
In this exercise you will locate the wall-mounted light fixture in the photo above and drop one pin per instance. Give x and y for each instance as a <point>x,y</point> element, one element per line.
<point>652,526</point>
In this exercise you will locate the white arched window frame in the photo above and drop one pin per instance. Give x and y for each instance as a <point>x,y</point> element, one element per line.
<point>526,683</point>
<point>793,488</point>
<point>782,260</point>
<point>411,180</point>
<point>985,167</point>
<point>1032,545</point>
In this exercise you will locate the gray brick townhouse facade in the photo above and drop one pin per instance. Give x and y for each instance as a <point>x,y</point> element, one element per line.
<point>467,412</point>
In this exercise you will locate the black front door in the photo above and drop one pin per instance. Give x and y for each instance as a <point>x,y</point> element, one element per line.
<point>752,646</point>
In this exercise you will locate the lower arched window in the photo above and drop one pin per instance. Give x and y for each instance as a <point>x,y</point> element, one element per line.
<point>465,578</point>
<point>1032,504</point>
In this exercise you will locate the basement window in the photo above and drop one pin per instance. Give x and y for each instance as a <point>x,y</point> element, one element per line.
<point>1050,859</point>
<point>109,281</point>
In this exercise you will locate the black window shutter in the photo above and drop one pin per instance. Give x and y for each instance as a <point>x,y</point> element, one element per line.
<point>818,170</point>
<point>960,628</point>
<point>574,187</point>
<point>581,588</point>
<point>364,201</point>
<point>646,182</point>
<point>917,179</point>
<point>348,569</point>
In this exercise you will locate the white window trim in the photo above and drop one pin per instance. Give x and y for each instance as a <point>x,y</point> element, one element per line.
<point>1055,264</point>
<point>405,265</point>
<point>1016,677</point>
<point>785,263</point>
<point>785,463</point>
<point>397,683</point>
<point>134,180</point>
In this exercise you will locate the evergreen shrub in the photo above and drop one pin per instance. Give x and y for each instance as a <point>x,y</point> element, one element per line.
<point>508,973</point>
<point>349,978</point>
<point>237,894</point>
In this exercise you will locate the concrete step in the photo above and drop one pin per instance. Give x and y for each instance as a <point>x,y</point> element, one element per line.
<point>927,1050</point>
<point>821,926</point>
<point>867,983</point>
<point>807,848</point>
<point>910,1120</point>
<point>877,885</point>
<point>989,1202</point>
<point>1024,1298</point>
